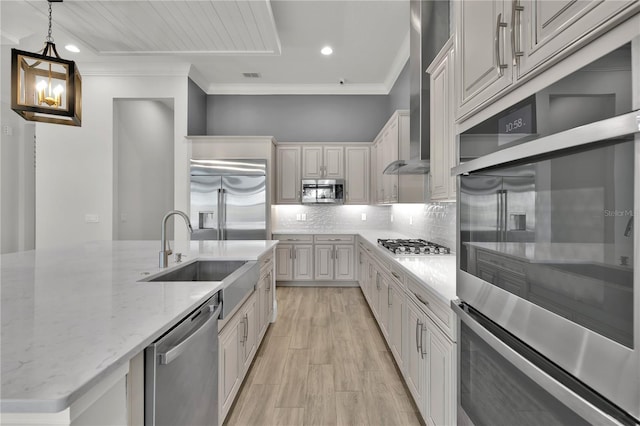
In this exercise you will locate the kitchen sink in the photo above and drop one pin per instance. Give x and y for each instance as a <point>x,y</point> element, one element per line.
<point>238,277</point>
<point>201,270</point>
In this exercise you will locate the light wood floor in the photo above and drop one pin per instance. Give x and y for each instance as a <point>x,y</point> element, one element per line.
<point>323,362</point>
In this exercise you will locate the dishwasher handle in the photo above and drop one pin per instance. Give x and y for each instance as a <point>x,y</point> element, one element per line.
<point>176,351</point>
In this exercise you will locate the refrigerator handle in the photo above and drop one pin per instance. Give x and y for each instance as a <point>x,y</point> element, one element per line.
<point>219,231</point>
<point>223,214</point>
<point>504,215</point>
<point>499,215</point>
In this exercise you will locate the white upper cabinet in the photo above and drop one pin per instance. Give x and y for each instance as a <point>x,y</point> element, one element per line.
<point>357,175</point>
<point>542,28</point>
<point>312,162</point>
<point>288,174</point>
<point>323,162</point>
<point>483,68</point>
<point>442,132</point>
<point>502,43</point>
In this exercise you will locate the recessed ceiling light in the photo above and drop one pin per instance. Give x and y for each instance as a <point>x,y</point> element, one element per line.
<point>72,48</point>
<point>327,50</point>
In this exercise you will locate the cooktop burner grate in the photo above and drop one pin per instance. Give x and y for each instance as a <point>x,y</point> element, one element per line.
<point>413,246</point>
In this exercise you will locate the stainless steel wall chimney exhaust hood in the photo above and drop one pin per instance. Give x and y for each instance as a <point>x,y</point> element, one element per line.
<point>429,31</point>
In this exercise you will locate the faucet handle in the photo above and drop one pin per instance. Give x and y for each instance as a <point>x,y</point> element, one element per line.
<point>178,257</point>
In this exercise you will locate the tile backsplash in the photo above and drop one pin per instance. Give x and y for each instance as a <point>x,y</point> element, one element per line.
<point>432,221</point>
<point>327,218</point>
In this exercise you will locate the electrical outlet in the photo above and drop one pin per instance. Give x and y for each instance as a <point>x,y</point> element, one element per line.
<point>91,218</point>
<point>364,216</point>
<point>298,217</point>
<point>410,220</point>
<point>304,216</point>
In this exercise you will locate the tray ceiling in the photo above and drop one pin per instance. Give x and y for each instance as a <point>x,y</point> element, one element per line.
<point>222,40</point>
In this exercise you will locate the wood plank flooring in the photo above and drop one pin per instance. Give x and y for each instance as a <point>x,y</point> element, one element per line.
<point>323,362</point>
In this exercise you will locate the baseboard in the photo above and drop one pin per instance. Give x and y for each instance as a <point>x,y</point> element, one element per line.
<point>317,284</point>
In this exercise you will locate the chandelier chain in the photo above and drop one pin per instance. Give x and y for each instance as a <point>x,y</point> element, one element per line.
<point>49,38</point>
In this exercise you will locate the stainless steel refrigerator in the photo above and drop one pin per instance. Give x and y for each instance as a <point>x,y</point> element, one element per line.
<point>228,199</point>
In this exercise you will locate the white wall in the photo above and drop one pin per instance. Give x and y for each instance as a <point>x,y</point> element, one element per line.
<point>17,174</point>
<point>143,167</point>
<point>74,174</point>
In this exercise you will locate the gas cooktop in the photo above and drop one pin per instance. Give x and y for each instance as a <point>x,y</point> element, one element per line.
<point>413,247</point>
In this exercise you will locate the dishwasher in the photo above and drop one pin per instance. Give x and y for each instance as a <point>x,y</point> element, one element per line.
<point>181,371</point>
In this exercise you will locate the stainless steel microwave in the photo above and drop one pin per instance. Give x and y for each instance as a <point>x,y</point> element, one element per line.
<point>323,191</point>
<point>547,193</point>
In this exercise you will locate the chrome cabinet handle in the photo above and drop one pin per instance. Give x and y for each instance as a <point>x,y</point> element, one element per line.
<point>418,326</point>
<point>516,9</point>
<point>176,351</point>
<point>242,336</point>
<point>269,281</point>
<point>425,302</point>
<point>246,326</point>
<point>294,254</point>
<point>500,66</point>
<point>396,275</point>
<point>423,352</point>
<point>361,258</point>
<point>389,296</point>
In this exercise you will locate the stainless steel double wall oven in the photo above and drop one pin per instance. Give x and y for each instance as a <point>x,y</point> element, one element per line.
<point>549,310</point>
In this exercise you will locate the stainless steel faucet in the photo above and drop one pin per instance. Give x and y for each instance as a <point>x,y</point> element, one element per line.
<point>166,251</point>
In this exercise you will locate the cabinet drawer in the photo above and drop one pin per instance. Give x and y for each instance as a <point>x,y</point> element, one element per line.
<point>397,274</point>
<point>439,311</point>
<point>294,238</point>
<point>334,239</point>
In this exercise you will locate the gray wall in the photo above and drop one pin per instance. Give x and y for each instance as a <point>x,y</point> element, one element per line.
<point>197,110</point>
<point>399,94</point>
<point>298,118</point>
<point>143,167</point>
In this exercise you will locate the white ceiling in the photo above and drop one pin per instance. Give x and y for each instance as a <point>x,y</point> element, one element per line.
<point>219,40</point>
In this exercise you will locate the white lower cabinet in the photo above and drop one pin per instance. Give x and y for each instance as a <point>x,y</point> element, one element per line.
<point>294,262</point>
<point>423,351</point>
<point>414,358</point>
<point>439,386</point>
<point>322,257</point>
<point>396,321</point>
<point>334,262</point>
<point>237,344</point>
<point>230,362</point>
<point>241,335</point>
<point>429,368</point>
<point>265,301</point>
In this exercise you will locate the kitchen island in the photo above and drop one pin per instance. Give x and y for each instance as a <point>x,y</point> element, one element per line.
<point>74,317</point>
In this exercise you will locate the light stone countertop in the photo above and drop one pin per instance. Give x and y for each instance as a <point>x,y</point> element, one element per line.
<point>438,272</point>
<point>73,315</point>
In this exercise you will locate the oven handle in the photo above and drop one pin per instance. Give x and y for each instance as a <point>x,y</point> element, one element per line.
<point>565,395</point>
<point>609,128</point>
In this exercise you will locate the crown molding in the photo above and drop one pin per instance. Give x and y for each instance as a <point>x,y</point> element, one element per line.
<point>398,64</point>
<point>134,69</point>
<point>197,77</point>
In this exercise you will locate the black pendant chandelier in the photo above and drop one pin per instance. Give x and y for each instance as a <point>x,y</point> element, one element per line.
<point>45,87</point>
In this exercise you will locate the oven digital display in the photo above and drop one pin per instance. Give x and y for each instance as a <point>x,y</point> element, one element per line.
<point>516,125</point>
